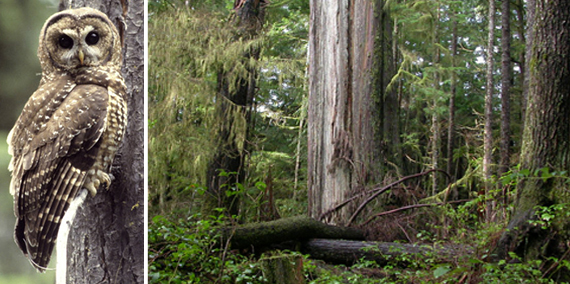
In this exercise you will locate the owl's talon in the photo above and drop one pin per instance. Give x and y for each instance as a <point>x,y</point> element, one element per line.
<point>105,180</point>
<point>91,188</point>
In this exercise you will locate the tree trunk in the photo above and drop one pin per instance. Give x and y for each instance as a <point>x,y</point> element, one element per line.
<point>528,52</point>
<point>341,144</point>
<point>453,88</point>
<point>546,138</point>
<point>106,242</point>
<point>488,132</point>
<point>389,99</point>
<point>506,71</point>
<point>521,33</point>
<point>227,168</point>
<point>435,123</point>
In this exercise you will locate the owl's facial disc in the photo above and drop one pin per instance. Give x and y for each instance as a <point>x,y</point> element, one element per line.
<point>80,47</point>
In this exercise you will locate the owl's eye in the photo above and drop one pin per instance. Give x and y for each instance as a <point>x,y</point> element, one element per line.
<point>92,38</point>
<point>65,42</point>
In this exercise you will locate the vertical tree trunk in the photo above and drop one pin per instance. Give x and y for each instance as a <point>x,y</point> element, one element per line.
<point>298,155</point>
<point>528,45</point>
<point>453,88</point>
<point>505,89</point>
<point>488,132</point>
<point>522,33</point>
<point>435,123</point>
<point>389,102</point>
<point>546,138</point>
<point>340,113</point>
<point>106,242</point>
<point>234,112</point>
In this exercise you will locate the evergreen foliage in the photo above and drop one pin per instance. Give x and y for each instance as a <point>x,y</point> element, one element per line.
<point>188,46</point>
<point>191,41</point>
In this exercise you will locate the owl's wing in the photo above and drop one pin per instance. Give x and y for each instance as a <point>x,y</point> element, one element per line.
<point>52,153</point>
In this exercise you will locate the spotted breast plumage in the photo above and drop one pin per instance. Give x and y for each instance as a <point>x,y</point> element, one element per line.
<point>67,136</point>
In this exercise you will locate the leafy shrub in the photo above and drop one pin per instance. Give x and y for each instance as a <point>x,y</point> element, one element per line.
<point>189,251</point>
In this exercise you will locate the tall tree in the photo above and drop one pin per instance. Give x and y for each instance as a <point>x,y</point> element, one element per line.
<point>506,71</point>
<point>341,144</point>
<point>453,89</point>
<point>488,131</point>
<point>106,243</point>
<point>531,7</point>
<point>227,168</point>
<point>546,138</point>
<point>388,98</point>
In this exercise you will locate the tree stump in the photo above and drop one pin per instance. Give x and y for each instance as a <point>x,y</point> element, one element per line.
<point>283,269</point>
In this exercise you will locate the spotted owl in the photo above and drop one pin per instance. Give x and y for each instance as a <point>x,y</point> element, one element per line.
<point>66,137</point>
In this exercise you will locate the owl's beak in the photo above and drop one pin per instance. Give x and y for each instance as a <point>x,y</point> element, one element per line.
<point>81,56</point>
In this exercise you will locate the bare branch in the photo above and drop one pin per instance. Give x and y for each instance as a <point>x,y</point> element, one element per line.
<point>411,207</point>
<point>381,190</point>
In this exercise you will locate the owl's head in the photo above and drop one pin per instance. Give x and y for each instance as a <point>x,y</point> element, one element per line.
<point>77,38</point>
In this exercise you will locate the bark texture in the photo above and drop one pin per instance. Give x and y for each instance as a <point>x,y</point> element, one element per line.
<point>106,242</point>
<point>546,137</point>
<point>388,100</point>
<point>341,144</point>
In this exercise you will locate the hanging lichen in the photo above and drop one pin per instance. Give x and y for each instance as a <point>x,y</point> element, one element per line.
<point>192,53</point>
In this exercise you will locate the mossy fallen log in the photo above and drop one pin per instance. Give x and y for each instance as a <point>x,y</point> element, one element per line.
<point>296,228</point>
<point>338,245</point>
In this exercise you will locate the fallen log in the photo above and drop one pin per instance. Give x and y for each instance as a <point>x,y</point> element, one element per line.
<point>338,245</point>
<point>349,252</point>
<point>296,228</point>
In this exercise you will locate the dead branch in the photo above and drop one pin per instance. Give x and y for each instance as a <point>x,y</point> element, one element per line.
<point>381,190</point>
<point>411,207</point>
<point>378,190</point>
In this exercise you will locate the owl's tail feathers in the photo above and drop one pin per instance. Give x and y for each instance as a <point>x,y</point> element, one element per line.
<point>36,232</point>
<point>40,263</point>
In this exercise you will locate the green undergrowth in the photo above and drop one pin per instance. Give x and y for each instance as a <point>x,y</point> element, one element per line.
<point>188,250</point>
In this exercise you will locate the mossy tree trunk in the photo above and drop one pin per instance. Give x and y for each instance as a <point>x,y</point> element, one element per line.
<point>236,94</point>
<point>106,242</point>
<point>546,137</point>
<point>342,149</point>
